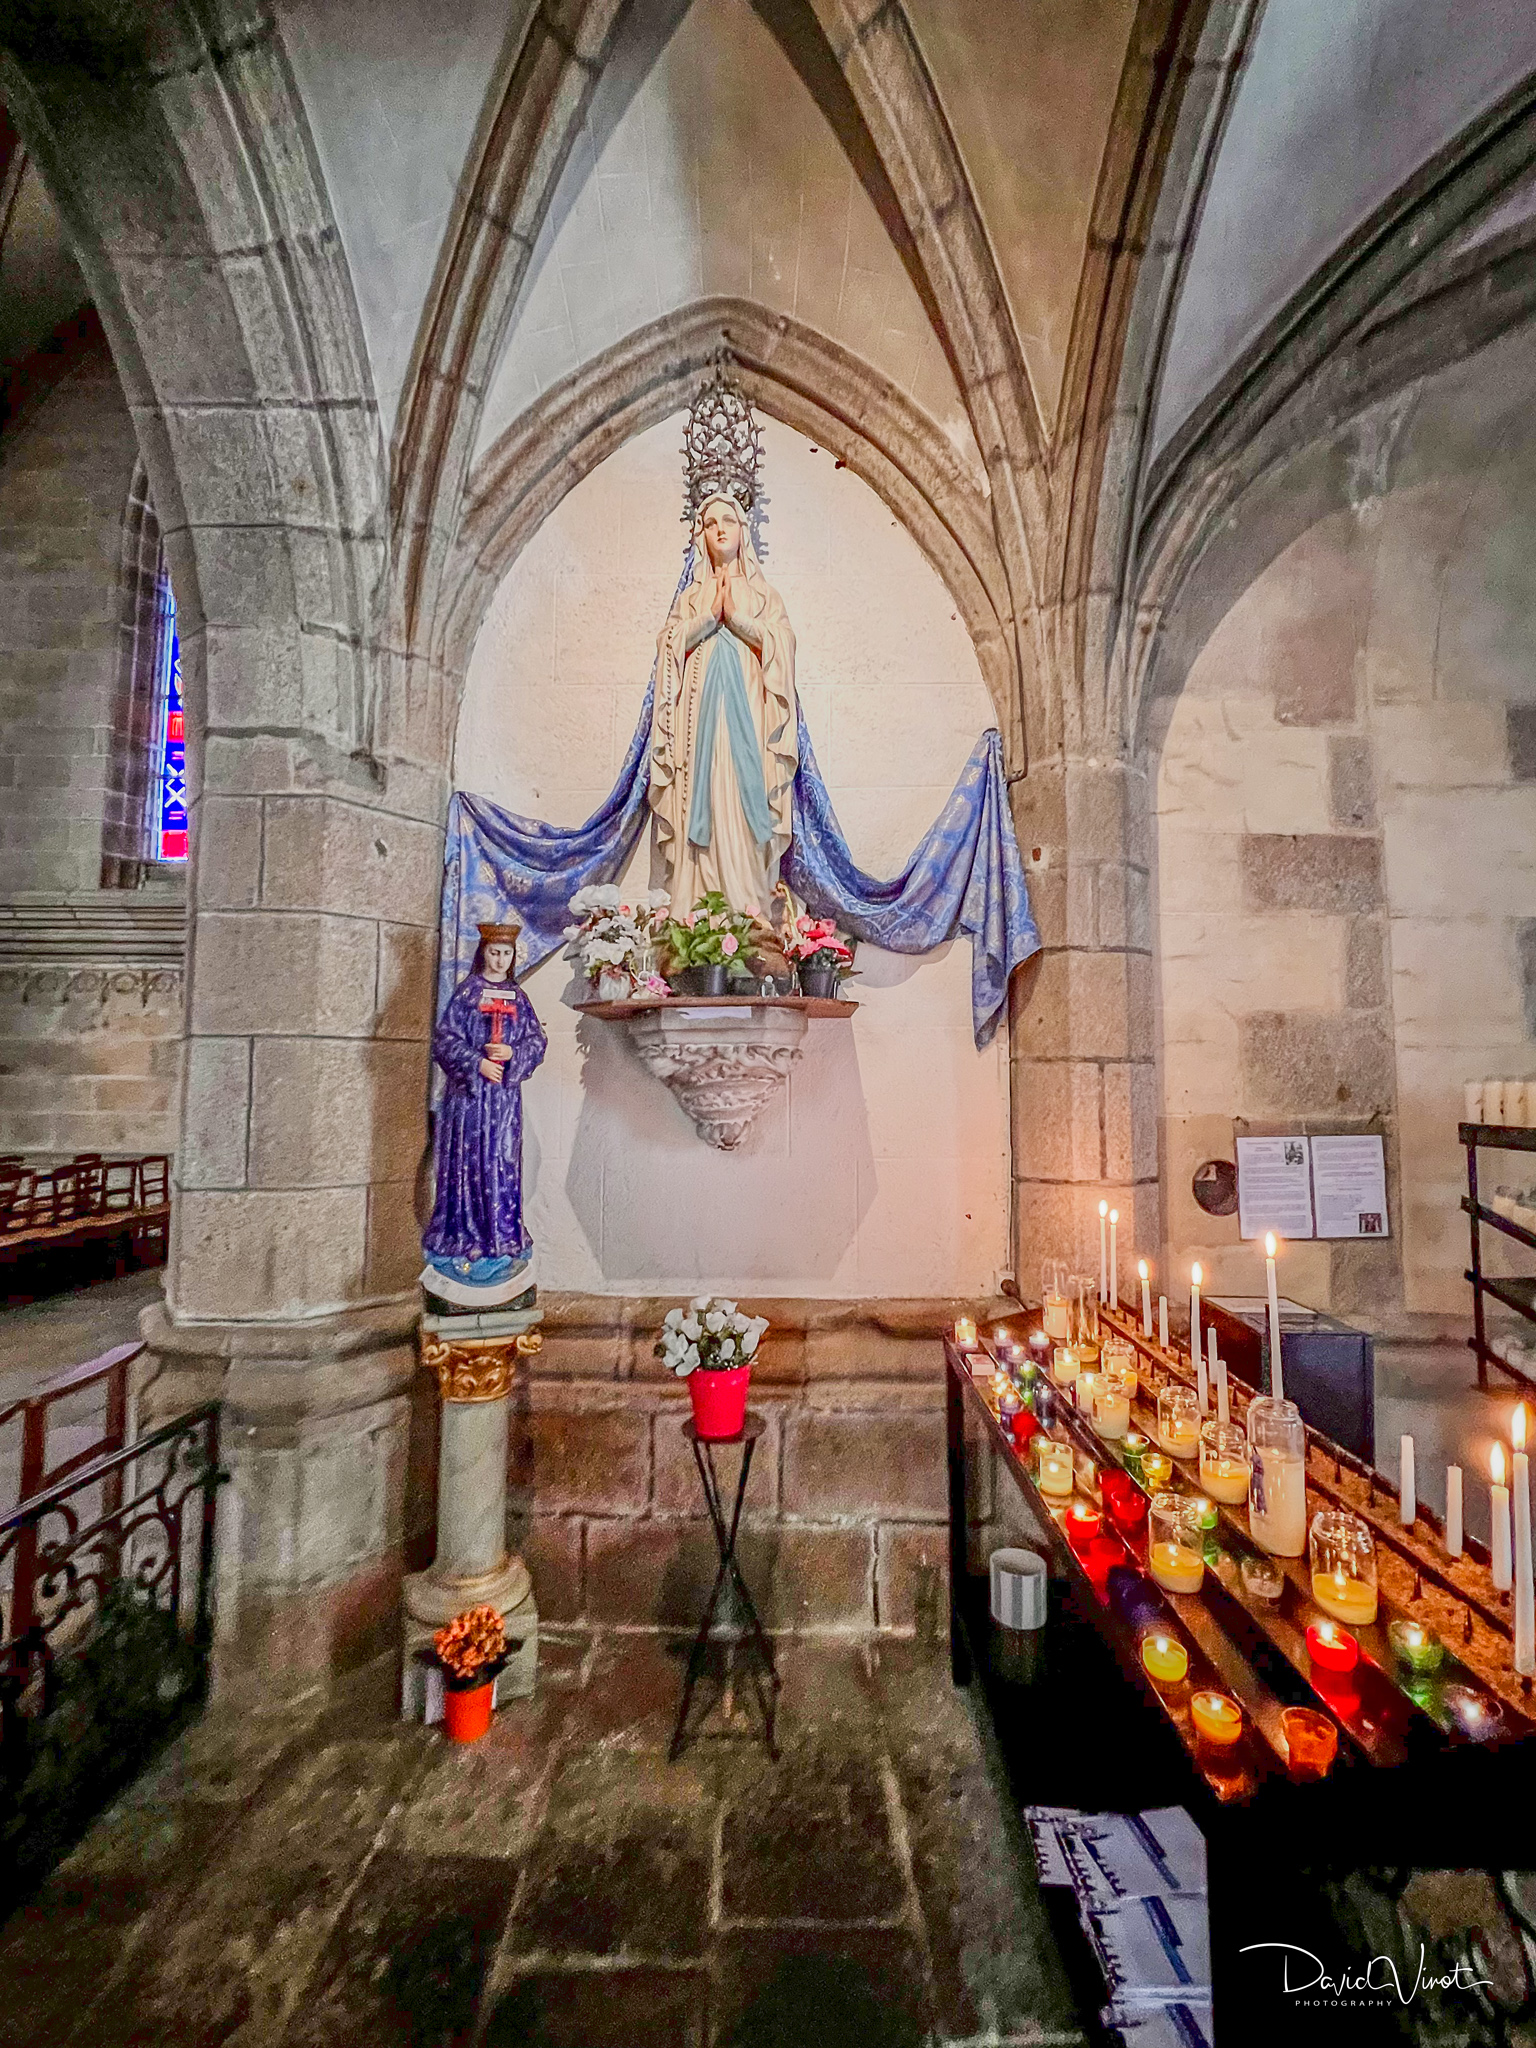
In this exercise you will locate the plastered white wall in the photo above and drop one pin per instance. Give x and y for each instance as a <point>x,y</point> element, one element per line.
<point>882,1168</point>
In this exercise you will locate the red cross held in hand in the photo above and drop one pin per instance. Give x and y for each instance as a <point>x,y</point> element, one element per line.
<point>497,1008</point>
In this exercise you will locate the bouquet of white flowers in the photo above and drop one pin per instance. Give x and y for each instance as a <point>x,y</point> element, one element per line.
<point>708,1336</point>
<point>617,932</point>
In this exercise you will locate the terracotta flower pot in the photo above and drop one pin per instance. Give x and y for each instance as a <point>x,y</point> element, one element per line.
<point>720,1400</point>
<point>467,1714</point>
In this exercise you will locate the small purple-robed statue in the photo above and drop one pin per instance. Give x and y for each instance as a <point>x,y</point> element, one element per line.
<point>488,1041</point>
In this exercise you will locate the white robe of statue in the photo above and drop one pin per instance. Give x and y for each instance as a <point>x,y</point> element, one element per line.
<point>725,729</point>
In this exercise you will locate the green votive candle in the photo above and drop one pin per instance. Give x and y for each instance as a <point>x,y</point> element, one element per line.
<point>1415,1646</point>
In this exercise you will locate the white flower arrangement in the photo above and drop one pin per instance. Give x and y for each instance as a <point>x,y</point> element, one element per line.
<point>709,1336</point>
<point>617,929</point>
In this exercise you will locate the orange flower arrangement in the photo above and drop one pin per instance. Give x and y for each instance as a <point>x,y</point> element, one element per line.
<point>472,1648</point>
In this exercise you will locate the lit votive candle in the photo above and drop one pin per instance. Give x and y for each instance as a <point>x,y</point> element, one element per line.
<point>1418,1647</point>
<point>1224,1462</point>
<point>1332,1648</point>
<point>1165,1659</point>
<point>1083,1523</point>
<point>1008,1402</point>
<point>1065,1365</point>
<point>1156,1469</point>
<point>1343,1560</point>
<point>1479,1717</point>
<point>1217,1719</point>
<point>1262,1578</point>
<point>1111,1409</point>
<point>1055,1467</point>
<point>965,1333</point>
<point>1024,1425</point>
<point>1178,1420</point>
<point>1082,1391</point>
<point>1175,1545</point>
<point>1311,1740</point>
<point>1135,1448</point>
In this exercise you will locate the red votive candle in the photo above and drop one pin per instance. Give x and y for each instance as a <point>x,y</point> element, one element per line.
<point>1128,1512</point>
<point>1083,1524</point>
<point>1023,1425</point>
<point>1331,1648</point>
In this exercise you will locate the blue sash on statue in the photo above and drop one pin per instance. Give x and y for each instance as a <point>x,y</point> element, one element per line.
<point>724,682</point>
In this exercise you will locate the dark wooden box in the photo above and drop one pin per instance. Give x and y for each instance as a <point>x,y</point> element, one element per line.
<point>1330,1367</point>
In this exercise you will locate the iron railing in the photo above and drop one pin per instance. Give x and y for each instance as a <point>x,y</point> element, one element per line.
<point>111,1654</point>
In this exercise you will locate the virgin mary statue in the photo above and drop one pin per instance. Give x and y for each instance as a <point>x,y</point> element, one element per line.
<point>724,732</point>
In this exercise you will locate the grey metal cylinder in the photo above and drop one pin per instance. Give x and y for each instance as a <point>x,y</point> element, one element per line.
<point>471,1489</point>
<point>1020,1583</point>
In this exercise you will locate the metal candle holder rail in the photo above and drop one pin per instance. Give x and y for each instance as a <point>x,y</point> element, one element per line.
<point>1451,1575</point>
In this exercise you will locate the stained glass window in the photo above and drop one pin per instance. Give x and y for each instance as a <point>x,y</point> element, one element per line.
<point>171,739</point>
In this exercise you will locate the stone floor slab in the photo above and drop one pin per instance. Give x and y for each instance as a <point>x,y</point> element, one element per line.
<point>812,1841</point>
<point>629,2008</point>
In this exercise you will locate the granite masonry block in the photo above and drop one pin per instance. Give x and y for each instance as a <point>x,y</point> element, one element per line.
<point>598,1462</point>
<point>1321,871</point>
<point>861,1463</point>
<point>1299,1064</point>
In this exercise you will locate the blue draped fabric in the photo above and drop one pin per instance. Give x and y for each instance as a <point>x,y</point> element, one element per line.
<point>964,877</point>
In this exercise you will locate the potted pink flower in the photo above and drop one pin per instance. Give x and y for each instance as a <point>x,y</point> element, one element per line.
<point>706,946</point>
<point>711,1344</point>
<point>822,956</point>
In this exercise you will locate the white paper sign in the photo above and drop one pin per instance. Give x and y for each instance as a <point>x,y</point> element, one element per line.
<point>1349,1187</point>
<point>1274,1187</point>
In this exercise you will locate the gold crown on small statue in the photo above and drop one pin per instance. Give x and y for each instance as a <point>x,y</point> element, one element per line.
<point>504,934</point>
<point>722,447</point>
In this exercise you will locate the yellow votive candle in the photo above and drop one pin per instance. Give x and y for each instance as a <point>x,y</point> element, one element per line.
<point>1165,1659</point>
<point>1065,1365</point>
<point>965,1333</point>
<point>1156,1470</point>
<point>1055,1467</point>
<point>1216,1717</point>
<point>1176,1567</point>
<point>1351,1600</point>
<point>1181,1438</point>
<point>1111,1410</point>
<point>1225,1479</point>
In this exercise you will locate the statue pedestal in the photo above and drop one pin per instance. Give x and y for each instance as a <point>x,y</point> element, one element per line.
<point>475,1361</point>
<point>723,1057</point>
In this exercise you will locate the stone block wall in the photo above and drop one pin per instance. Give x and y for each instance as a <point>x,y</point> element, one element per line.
<point>88,1060</point>
<point>845,1519</point>
<point>65,470</point>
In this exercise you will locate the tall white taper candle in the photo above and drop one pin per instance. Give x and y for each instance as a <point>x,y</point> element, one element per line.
<point>1453,1509</point>
<point>1196,1350</point>
<point>1218,1377</point>
<point>1525,1585</point>
<point>1103,1251</point>
<point>1407,1485</point>
<point>1146,1298</point>
<point>1276,1364</point>
<point>1114,1258</point>
<point>1499,1544</point>
<point>1162,1320</point>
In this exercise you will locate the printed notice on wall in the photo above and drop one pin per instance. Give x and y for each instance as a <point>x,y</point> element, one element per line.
<point>1349,1187</point>
<point>1274,1187</point>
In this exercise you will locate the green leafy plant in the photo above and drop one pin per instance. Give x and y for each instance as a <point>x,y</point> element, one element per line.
<point>709,935</point>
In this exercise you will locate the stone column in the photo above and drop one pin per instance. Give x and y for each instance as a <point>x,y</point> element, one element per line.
<point>473,1568</point>
<point>1082,1024</point>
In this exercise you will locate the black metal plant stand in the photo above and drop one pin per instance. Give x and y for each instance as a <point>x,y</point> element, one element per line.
<point>739,1629</point>
<point>1516,1294</point>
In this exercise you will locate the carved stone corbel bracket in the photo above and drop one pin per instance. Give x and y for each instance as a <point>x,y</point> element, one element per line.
<point>722,1065</point>
<point>477,1368</point>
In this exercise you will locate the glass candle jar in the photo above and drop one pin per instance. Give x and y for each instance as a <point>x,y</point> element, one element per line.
<point>1082,1391</point>
<point>1224,1462</point>
<point>1156,1470</point>
<point>1134,1447</point>
<point>1024,1425</point>
<point>1277,1477</point>
<point>1054,1467</point>
<point>1311,1740</point>
<point>1178,1420</point>
<point>1415,1646</point>
<point>1111,1407</point>
<point>1065,1365</point>
<point>1008,1401</point>
<point>1175,1545</point>
<point>1217,1718</point>
<point>1262,1578</point>
<point>1083,1524</point>
<point>1129,1512</point>
<point>1118,1359</point>
<point>1085,1318</point>
<point>1331,1648</point>
<point>1342,1556</point>
<point>1165,1659</point>
<point>1057,1309</point>
<point>965,1333</point>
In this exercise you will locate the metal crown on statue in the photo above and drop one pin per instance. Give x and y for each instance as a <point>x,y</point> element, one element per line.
<point>722,448</point>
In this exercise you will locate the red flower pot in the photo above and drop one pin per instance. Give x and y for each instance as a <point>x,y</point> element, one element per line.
<point>467,1714</point>
<point>720,1400</point>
